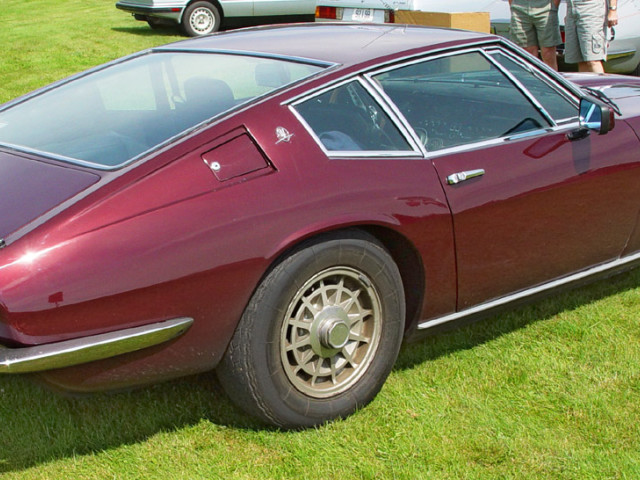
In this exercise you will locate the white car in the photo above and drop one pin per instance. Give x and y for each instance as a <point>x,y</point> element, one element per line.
<point>624,46</point>
<point>200,17</point>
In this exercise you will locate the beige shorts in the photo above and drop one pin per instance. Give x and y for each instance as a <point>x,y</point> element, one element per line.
<point>585,31</point>
<point>535,23</point>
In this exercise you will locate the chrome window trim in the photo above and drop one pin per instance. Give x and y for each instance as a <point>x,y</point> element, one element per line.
<point>538,74</point>
<point>247,53</point>
<point>620,263</point>
<point>501,140</point>
<point>178,136</point>
<point>407,134</point>
<point>527,94</point>
<point>363,72</point>
<point>567,124</point>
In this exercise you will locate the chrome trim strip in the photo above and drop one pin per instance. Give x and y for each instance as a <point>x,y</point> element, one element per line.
<point>415,151</point>
<point>88,349</point>
<point>621,54</point>
<point>487,306</point>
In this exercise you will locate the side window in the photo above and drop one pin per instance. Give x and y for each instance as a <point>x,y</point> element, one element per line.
<point>348,119</point>
<point>459,100</point>
<point>559,106</point>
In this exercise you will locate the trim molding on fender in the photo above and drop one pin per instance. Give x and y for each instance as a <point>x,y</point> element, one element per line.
<point>486,308</point>
<point>88,349</point>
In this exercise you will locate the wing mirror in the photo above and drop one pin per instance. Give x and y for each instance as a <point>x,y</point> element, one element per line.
<point>595,116</point>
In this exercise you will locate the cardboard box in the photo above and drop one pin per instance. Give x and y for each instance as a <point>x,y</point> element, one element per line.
<point>476,21</point>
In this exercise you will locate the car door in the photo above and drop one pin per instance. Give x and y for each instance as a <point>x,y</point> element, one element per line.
<point>283,7</point>
<point>375,174</point>
<point>528,204</point>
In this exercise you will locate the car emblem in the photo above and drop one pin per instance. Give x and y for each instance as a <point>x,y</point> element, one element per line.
<point>283,135</point>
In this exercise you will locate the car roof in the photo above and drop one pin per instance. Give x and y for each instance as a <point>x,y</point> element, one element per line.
<point>343,43</point>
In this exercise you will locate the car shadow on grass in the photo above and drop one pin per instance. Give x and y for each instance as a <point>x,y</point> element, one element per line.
<point>145,31</point>
<point>465,336</point>
<point>39,426</point>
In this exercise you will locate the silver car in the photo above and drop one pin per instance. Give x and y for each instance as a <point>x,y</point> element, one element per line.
<point>624,45</point>
<point>200,17</point>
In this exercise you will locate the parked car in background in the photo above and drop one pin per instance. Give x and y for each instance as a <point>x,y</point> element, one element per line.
<point>366,11</point>
<point>624,47</point>
<point>287,204</point>
<point>200,17</point>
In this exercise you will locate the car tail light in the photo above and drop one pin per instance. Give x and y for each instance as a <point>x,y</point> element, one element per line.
<point>331,13</point>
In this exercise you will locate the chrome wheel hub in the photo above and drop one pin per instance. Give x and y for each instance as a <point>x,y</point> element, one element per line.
<point>331,332</point>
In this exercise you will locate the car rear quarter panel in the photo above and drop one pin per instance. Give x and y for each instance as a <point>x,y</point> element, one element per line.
<point>170,240</point>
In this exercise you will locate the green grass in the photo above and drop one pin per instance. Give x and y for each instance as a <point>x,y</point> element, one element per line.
<point>551,390</point>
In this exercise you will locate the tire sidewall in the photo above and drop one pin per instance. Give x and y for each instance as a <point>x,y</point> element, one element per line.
<point>282,402</point>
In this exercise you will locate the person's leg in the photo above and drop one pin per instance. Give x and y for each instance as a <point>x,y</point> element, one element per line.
<point>594,66</point>
<point>549,56</point>
<point>522,31</point>
<point>591,30</point>
<point>548,32</point>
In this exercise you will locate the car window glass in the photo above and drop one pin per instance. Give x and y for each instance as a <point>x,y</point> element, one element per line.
<point>555,103</point>
<point>110,116</point>
<point>458,100</point>
<point>348,119</point>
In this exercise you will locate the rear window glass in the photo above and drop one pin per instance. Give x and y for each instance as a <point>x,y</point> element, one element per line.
<point>107,118</point>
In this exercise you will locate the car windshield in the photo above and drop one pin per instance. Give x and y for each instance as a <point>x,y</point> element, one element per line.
<point>109,117</point>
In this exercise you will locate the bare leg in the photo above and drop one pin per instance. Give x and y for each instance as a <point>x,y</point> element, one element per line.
<point>549,57</point>
<point>591,66</point>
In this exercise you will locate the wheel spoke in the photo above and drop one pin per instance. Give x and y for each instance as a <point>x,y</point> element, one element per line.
<point>349,358</point>
<point>310,306</point>
<point>297,345</point>
<point>300,324</point>
<point>359,338</point>
<point>359,317</point>
<point>353,298</point>
<point>337,296</point>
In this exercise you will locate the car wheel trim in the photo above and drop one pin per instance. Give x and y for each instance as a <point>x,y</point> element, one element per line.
<point>202,20</point>
<point>331,332</point>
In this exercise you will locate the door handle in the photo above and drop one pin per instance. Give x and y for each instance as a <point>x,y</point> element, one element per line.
<point>462,176</point>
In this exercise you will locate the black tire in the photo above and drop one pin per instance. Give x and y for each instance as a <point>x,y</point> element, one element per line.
<point>320,334</point>
<point>200,18</point>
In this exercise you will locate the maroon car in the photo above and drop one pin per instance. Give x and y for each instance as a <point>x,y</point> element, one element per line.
<point>287,204</point>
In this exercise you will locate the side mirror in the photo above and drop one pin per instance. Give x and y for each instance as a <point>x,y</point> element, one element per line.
<point>596,116</point>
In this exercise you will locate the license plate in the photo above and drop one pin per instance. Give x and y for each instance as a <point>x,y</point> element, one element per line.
<point>362,15</point>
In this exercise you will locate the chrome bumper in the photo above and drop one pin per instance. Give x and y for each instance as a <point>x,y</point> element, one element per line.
<point>89,349</point>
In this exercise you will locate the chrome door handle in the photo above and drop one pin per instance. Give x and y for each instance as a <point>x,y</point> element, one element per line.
<point>462,176</point>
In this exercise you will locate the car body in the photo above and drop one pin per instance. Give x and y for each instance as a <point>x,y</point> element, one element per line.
<point>624,45</point>
<point>288,212</point>
<point>200,17</point>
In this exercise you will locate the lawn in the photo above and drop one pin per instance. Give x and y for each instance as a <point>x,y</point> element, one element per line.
<point>550,390</point>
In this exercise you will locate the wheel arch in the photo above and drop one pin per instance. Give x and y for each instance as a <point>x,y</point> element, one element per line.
<point>215,3</point>
<point>401,249</point>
